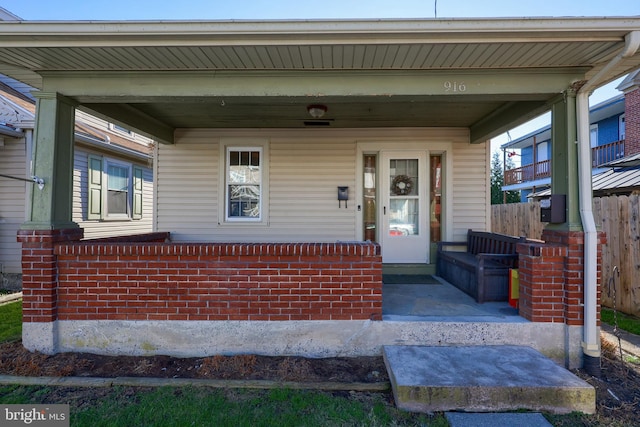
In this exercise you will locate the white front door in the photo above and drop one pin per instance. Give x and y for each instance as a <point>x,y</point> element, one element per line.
<point>404,233</point>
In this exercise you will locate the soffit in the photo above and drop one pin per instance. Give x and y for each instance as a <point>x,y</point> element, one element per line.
<point>313,45</point>
<point>29,50</point>
<point>432,56</point>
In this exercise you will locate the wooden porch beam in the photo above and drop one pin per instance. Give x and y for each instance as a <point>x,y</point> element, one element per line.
<point>132,118</point>
<point>505,118</point>
<point>128,87</point>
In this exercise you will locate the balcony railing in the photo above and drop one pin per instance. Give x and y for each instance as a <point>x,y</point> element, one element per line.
<point>599,155</point>
<point>607,153</point>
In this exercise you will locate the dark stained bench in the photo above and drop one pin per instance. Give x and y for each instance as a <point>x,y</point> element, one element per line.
<point>480,266</point>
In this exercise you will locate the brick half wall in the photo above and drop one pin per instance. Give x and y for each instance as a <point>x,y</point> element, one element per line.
<point>262,282</point>
<point>552,277</point>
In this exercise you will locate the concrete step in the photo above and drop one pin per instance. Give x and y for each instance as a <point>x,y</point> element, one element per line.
<point>483,379</point>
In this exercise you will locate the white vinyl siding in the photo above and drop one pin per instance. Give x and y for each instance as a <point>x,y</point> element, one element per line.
<point>99,123</point>
<point>94,228</point>
<point>471,190</point>
<point>302,190</point>
<point>12,203</point>
<point>304,173</point>
<point>187,186</point>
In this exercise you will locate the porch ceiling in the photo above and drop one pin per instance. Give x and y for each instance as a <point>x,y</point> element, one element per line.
<point>264,74</point>
<point>343,112</point>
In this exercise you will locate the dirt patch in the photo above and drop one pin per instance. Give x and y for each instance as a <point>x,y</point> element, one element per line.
<point>617,389</point>
<point>15,360</point>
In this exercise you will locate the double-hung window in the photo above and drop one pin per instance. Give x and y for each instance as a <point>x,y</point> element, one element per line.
<point>244,184</point>
<point>114,189</point>
<point>118,183</point>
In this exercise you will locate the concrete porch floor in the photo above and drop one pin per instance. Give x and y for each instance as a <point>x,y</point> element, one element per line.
<point>437,300</point>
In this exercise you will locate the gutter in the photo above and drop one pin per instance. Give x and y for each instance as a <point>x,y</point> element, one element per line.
<point>11,132</point>
<point>591,338</point>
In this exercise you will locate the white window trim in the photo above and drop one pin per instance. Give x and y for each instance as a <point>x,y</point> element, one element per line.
<point>542,151</point>
<point>593,143</point>
<point>622,127</point>
<point>243,144</point>
<point>105,168</point>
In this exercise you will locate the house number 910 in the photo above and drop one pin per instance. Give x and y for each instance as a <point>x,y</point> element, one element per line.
<point>454,86</point>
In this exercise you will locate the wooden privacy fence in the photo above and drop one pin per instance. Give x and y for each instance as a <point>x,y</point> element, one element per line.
<point>618,217</point>
<point>517,219</point>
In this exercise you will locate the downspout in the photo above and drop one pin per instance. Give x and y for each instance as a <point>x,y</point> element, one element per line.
<point>591,339</point>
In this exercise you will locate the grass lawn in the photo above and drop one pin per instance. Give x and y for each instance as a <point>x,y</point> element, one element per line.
<point>188,406</point>
<point>11,321</point>
<point>625,322</point>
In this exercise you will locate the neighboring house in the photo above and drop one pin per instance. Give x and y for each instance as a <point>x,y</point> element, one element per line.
<point>609,121</point>
<point>117,200</point>
<point>607,137</point>
<point>296,161</point>
<point>616,165</point>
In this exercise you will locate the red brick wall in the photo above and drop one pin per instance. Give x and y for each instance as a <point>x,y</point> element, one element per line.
<point>541,273</point>
<point>632,119</point>
<point>152,281</point>
<point>39,272</point>
<point>552,277</point>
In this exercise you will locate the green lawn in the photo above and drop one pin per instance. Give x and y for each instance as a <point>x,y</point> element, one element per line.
<point>11,321</point>
<point>625,322</point>
<point>168,406</point>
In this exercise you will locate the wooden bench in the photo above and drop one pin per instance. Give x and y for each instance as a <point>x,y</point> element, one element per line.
<point>480,266</point>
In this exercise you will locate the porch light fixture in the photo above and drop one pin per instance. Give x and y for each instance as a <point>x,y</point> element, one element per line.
<point>317,111</point>
<point>39,181</point>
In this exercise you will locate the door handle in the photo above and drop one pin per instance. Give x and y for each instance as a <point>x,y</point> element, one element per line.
<point>384,210</point>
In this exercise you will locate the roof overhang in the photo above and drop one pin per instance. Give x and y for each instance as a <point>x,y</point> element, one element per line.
<point>483,74</point>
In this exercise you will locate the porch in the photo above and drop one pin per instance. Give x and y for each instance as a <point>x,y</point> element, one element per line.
<point>428,298</point>
<point>125,297</point>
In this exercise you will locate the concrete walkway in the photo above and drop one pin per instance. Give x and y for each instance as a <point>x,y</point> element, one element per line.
<point>630,343</point>
<point>460,419</point>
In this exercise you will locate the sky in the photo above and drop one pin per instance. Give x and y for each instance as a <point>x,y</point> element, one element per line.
<point>315,9</point>
<point>329,9</point>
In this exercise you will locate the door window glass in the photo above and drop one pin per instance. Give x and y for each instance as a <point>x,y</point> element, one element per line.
<point>369,202</point>
<point>435,202</point>
<point>403,197</point>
